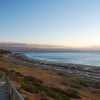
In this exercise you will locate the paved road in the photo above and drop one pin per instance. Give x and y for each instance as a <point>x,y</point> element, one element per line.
<point>2,91</point>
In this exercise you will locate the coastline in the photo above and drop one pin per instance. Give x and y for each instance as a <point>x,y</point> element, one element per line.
<point>84,71</point>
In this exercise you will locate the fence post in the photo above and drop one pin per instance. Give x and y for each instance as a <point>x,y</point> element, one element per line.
<point>12,95</point>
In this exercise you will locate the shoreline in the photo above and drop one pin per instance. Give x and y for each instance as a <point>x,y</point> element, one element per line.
<point>53,61</point>
<point>90,72</point>
<point>40,59</point>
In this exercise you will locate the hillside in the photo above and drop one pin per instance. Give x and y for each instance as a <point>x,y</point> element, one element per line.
<point>44,84</point>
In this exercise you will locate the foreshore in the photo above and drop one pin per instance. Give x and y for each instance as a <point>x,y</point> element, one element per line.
<point>84,71</point>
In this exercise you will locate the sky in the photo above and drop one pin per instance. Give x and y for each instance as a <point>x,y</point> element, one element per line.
<point>71,23</point>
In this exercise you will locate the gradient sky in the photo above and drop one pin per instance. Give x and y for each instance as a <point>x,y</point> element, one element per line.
<point>74,23</point>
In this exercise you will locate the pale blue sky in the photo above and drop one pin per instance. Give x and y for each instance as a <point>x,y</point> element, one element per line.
<point>74,23</point>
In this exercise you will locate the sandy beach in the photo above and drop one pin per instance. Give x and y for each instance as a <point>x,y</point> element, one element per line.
<point>84,71</point>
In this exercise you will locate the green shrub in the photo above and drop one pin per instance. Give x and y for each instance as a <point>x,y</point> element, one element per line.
<point>27,98</point>
<point>75,86</point>
<point>0,55</point>
<point>30,88</point>
<point>12,76</point>
<point>95,85</point>
<point>33,80</point>
<point>84,84</point>
<point>33,85</point>
<point>80,81</point>
<point>62,74</point>
<point>19,74</point>
<point>71,94</point>
<point>12,71</point>
<point>57,95</point>
<point>4,52</point>
<point>64,83</point>
<point>44,99</point>
<point>3,69</point>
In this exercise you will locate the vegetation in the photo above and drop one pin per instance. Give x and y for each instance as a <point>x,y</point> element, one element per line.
<point>0,55</point>
<point>33,85</point>
<point>62,74</point>
<point>2,52</point>
<point>72,94</point>
<point>30,88</point>
<point>75,86</point>
<point>27,98</point>
<point>18,74</point>
<point>3,69</point>
<point>44,99</point>
<point>64,83</point>
<point>57,95</point>
<point>32,80</point>
<point>86,83</point>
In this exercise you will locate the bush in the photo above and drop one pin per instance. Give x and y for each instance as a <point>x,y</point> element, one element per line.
<point>57,95</point>
<point>44,99</point>
<point>64,83</point>
<point>12,71</point>
<point>0,55</point>
<point>3,69</point>
<point>95,85</point>
<point>80,81</point>
<point>29,88</point>
<point>71,94</point>
<point>27,98</point>
<point>19,74</point>
<point>12,76</point>
<point>85,84</point>
<point>75,86</point>
<point>4,52</point>
<point>62,74</point>
<point>33,80</point>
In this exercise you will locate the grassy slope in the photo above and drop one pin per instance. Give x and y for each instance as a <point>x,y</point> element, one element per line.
<point>52,79</point>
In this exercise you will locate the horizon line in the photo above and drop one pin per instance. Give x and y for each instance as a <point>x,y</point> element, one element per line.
<point>36,45</point>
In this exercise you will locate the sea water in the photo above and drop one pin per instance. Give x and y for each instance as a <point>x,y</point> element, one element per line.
<point>90,57</point>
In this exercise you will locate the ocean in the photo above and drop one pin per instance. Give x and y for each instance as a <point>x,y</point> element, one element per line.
<point>87,57</point>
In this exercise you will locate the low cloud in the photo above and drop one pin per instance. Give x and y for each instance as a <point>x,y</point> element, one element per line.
<point>95,47</point>
<point>11,44</point>
<point>29,45</point>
